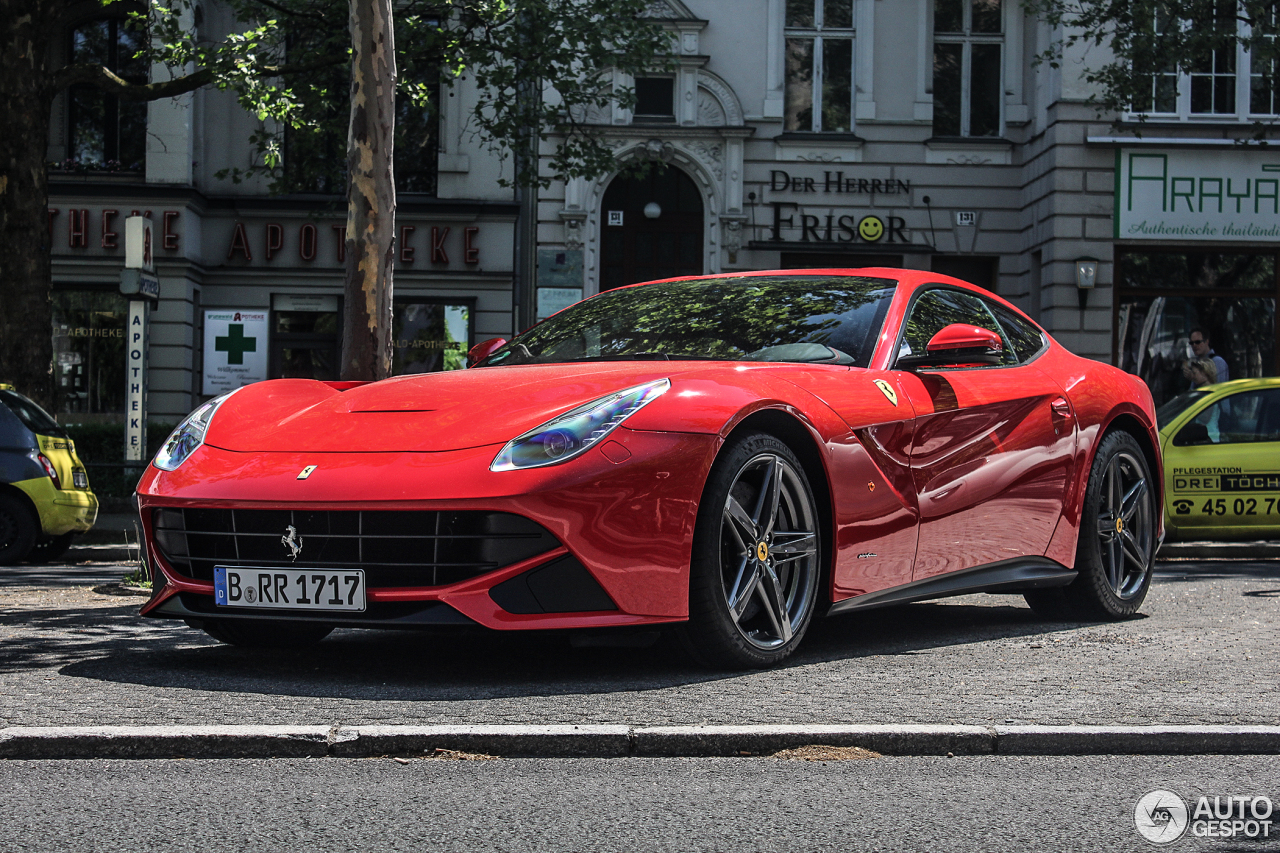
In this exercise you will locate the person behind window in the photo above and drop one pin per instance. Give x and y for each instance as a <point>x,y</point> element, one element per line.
<point>1200,348</point>
<point>1201,371</point>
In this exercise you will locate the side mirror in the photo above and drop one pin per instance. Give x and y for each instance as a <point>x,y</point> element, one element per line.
<point>483,350</point>
<point>957,344</point>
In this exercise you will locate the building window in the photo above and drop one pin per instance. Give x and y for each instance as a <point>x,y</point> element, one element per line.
<point>429,335</point>
<point>655,99</point>
<point>968,47</point>
<point>819,65</point>
<point>88,352</point>
<point>315,156</point>
<point>1220,84</point>
<point>105,133</point>
<point>1163,296</point>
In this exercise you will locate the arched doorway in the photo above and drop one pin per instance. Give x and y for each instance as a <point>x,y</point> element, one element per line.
<point>641,242</point>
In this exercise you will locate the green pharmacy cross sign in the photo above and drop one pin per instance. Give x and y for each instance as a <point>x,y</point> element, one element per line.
<point>235,344</point>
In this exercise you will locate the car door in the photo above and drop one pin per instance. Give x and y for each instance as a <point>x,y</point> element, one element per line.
<point>992,448</point>
<point>1222,468</point>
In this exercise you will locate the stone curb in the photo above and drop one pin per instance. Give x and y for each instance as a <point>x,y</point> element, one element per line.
<point>618,741</point>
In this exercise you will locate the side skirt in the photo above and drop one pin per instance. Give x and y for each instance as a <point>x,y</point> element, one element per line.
<point>1016,575</point>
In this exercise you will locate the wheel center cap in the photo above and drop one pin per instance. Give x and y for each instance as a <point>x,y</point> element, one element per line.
<point>762,551</point>
<point>1119,525</point>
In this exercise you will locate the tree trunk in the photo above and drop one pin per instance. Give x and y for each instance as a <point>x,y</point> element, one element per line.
<point>26,321</point>
<point>371,194</point>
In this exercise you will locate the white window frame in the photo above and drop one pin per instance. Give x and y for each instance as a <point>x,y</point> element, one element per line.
<point>820,35</point>
<point>1243,99</point>
<point>967,40</point>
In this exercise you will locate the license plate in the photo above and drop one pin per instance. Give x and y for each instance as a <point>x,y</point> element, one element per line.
<point>79,479</point>
<point>291,589</point>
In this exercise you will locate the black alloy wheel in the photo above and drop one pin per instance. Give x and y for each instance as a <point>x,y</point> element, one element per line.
<point>18,530</point>
<point>1116,551</point>
<point>756,557</point>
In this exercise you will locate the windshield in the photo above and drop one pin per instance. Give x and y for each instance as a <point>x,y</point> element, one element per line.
<point>1169,412</point>
<point>32,416</point>
<point>801,318</point>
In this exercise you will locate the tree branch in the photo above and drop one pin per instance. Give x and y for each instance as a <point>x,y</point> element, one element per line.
<point>99,76</point>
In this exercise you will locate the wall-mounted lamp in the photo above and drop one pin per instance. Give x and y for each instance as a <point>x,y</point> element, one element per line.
<point>652,210</point>
<point>1086,276</point>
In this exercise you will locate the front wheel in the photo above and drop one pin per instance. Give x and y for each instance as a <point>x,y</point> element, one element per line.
<point>756,560</point>
<point>1118,538</point>
<point>266,634</point>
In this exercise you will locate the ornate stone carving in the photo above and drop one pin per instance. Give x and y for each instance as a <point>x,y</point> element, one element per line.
<point>712,153</point>
<point>710,113</point>
<point>722,93</point>
<point>657,149</point>
<point>968,160</point>
<point>733,235</point>
<point>573,234</point>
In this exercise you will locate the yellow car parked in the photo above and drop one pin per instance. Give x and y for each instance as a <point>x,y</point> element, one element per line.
<point>44,491</point>
<point>1221,447</point>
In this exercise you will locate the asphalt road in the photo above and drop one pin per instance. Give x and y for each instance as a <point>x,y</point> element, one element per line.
<point>687,805</point>
<point>1206,650</point>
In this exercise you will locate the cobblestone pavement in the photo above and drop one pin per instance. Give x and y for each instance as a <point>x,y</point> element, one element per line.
<point>1206,650</point>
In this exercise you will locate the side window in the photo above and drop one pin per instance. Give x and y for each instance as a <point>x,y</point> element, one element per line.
<point>1239,419</point>
<point>1026,339</point>
<point>937,309</point>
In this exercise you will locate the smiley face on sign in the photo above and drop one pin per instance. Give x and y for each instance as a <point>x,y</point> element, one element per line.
<point>871,229</point>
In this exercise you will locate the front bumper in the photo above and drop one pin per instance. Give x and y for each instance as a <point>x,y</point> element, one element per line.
<point>624,513</point>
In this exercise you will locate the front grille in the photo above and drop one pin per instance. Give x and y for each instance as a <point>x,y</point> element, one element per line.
<point>394,548</point>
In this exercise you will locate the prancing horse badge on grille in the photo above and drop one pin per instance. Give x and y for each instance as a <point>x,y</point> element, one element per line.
<point>292,541</point>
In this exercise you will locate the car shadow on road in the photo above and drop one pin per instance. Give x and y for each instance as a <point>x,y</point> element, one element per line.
<point>113,644</point>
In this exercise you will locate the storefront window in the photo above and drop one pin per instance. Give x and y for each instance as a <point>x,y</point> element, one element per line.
<point>305,345</point>
<point>1162,297</point>
<point>88,351</point>
<point>429,336</point>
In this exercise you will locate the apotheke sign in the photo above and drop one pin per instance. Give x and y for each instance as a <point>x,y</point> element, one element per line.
<point>1226,196</point>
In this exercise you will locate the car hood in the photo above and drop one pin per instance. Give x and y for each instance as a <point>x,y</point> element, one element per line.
<point>426,412</point>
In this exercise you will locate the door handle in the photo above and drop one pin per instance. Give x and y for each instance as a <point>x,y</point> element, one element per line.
<point>1061,407</point>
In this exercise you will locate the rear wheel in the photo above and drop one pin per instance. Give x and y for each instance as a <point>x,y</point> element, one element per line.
<point>266,634</point>
<point>1118,538</point>
<point>18,530</point>
<point>754,577</point>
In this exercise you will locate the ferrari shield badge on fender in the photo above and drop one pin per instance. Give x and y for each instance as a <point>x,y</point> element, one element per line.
<point>306,472</point>
<point>888,391</point>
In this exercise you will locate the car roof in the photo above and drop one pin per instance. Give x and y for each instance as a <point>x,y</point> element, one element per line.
<point>1221,389</point>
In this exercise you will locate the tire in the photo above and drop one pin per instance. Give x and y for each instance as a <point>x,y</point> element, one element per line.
<point>51,549</point>
<point>266,634</point>
<point>18,530</point>
<point>753,583</point>
<point>1118,538</point>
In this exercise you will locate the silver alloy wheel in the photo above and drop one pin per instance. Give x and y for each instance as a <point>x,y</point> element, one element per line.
<point>1126,533</point>
<point>768,551</point>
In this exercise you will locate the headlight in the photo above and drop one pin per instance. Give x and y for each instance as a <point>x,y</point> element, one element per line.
<point>575,432</point>
<point>189,435</point>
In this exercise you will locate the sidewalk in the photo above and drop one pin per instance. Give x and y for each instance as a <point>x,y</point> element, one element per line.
<point>613,741</point>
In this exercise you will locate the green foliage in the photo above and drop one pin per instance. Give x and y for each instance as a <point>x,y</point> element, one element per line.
<point>1151,42</point>
<point>538,64</point>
